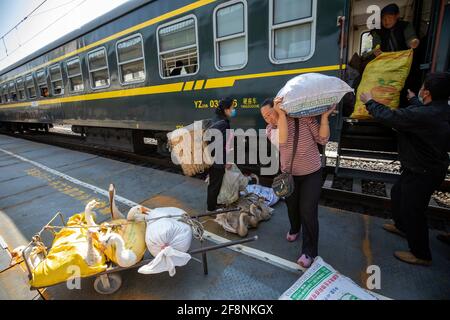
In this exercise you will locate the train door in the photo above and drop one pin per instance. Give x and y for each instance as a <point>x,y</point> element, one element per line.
<point>368,138</point>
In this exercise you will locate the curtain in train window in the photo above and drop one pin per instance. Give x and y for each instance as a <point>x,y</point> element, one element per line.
<point>31,89</point>
<point>130,59</point>
<point>178,50</point>
<point>291,29</point>
<point>20,89</point>
<point>56,79</point>
<point>74,75</point>
<point>98,69</point>
<point>231,36</point>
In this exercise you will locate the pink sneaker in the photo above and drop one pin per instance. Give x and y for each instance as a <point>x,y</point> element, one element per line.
<point>305,261</point>
<point>292,237</point>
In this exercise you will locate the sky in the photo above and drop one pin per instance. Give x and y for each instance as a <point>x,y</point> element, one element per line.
<point>52,20</point>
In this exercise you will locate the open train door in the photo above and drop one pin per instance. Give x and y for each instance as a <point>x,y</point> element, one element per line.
<point>368,138</point>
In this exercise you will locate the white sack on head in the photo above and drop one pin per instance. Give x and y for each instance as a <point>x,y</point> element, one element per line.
<point>312,94</point>
<point>168,240</point>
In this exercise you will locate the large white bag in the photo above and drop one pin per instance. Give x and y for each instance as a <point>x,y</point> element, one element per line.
<point>322,282</point>
<point>168,240</point>
<point>312,94</point>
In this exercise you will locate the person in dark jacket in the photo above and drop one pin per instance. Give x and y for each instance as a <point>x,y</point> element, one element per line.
<point>224,112</point>
<point>423,141</point>
<point>395,34</point>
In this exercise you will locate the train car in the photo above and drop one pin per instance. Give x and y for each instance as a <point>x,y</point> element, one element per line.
<point>149,67</point>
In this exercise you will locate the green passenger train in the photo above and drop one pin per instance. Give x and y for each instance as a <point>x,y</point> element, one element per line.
<point>148,67</point>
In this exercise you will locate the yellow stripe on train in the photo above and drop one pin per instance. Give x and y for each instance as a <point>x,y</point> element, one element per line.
<point>214,83</point>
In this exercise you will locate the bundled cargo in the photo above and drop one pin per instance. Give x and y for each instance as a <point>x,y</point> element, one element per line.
<point>188,148</point>
<point>72,247</point>
<point>312,94</point>
<point>322,282</point>
<point>168,239</point>
<point>384,77</point>
<point>252,211</point>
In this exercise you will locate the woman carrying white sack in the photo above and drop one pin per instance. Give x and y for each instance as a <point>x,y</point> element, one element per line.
<point>306,170</point>
<point>294,110</point>
<point>168,239</point>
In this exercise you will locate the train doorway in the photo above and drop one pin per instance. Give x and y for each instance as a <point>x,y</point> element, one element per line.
<point>368,138</point>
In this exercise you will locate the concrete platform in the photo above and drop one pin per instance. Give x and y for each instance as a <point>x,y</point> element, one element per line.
<point>37,180</point>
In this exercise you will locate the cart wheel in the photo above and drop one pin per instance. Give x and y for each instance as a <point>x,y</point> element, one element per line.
<point>108,284</point>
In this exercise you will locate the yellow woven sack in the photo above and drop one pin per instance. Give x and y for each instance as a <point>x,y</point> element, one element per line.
<point>133,235</point>
<point>385,78</point>
<point>68,249</point>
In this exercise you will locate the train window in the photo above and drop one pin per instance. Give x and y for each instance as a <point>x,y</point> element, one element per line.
<point>366,42</point>
<point>12,91</point>
<point>292,30</point>
<point>98,68</point>
<point>230,34</point>
<point>42,83</point>
<point>178,48</point>
<point>31,89</point>
<point>5,95</point>
<point>20,89</point>
<point>56,79</point>
<point>74,75</point>
<point>130,59</point>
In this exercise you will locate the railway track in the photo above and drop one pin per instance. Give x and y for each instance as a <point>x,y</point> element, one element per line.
<point>356,190</point>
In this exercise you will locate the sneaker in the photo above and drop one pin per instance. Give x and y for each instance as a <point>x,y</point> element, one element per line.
<point>292,237</point>
<point>305,261</point>
<point>408,257</point>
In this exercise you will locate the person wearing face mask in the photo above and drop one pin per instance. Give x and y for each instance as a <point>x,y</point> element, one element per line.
<point>423,132</point>
<point>306,166</point>
<point>224,112</point>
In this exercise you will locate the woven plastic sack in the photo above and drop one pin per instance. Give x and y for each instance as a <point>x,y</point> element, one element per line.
<point>385,78</point>
<point>312,94</point>
<point>233,182</point>
<point>168,240</point>
<point>322,282</point>
<point>68,250</point>
<point>187,146</point>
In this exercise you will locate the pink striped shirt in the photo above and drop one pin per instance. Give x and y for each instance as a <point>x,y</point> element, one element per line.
<point>307,158</point>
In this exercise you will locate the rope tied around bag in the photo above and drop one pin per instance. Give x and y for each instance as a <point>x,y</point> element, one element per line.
<point>196,226</point>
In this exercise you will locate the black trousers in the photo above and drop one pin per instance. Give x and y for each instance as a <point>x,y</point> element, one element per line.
<point>410,197</point>
<point>303,210</point>
<point>216,174</point>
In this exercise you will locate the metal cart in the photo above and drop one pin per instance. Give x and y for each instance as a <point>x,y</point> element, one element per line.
<point>110,280</point>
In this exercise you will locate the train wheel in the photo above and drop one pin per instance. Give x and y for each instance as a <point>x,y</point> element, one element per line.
<point>108,283</point>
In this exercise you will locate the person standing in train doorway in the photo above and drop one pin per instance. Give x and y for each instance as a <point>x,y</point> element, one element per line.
<point>306,167</point>
<point>423,141</point>
<point>397,35</point>
<point>224,112</point>
<point>394,34</point>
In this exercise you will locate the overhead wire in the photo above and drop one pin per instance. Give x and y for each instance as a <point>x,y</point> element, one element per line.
<point>42,30</point>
